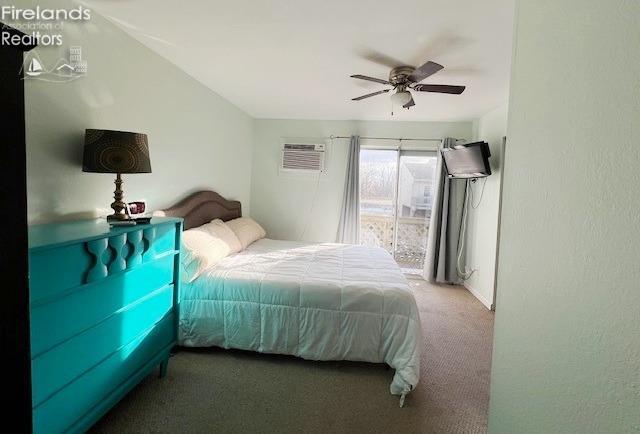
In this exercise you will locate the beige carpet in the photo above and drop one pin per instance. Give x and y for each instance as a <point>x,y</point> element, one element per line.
<point>233,391</point>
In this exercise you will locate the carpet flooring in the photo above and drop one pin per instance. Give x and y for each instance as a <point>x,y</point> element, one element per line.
<point>214,390</point>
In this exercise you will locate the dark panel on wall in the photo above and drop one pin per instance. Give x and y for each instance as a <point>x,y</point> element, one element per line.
<point>14,308</point>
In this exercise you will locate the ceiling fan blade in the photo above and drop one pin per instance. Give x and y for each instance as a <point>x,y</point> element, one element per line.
<point>410,104</point>
<point>380,58</point>
<point>370,94</point>
<point>364,77</point>
<point>439,88</point>
<point>425,71</point>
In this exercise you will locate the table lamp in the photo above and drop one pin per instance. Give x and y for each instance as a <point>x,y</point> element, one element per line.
<point>108,151</point>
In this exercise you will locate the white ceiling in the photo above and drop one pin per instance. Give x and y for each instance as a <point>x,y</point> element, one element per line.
<point>292,59</point>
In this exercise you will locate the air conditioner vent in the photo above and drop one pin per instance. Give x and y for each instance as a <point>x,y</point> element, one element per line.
<point>303,157</point>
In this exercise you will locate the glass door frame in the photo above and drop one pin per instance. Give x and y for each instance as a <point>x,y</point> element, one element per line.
<point>395,204</point>
<point>426,153</point>
<point>400,151</point>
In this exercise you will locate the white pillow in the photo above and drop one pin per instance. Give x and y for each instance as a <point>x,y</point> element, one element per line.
<point>218,229</point>
<point>247,230</point>
<point>200,251</point>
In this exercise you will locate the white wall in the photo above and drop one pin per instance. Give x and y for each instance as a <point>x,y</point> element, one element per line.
<point>566,353</point>
<point>482,222</point>
<point>196,138</point>
<point>285,204</point>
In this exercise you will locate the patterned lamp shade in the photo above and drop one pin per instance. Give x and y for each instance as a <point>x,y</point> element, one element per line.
<point>108,151</point>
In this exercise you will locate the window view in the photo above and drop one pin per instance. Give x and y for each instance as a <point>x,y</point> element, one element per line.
<point>396,196</point>
<point>378,176</point>
<point>415,199</point>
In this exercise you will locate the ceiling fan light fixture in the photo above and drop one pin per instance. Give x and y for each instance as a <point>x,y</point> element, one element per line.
<point>402,78</point>
<point>400,98</point>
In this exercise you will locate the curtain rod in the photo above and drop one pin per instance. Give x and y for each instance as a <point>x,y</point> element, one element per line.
<point>400,139</point>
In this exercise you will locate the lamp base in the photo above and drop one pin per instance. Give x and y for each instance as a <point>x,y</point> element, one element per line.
<point>119,206</point>
<point>117,217</point>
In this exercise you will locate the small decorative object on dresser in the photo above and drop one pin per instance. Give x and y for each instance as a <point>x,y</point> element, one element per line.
<point>108,151</point>
<point>104,311</point>
<point>137,208</point>
<point>137,211</point>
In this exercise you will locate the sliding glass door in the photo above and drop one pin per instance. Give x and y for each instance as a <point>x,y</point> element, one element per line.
<point>396,196</point>
<point>415,197</point>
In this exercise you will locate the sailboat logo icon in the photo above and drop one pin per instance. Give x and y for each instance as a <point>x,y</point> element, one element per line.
<point>35,68</point>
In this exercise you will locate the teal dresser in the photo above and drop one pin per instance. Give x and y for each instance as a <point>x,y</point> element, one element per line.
<point>103,315</point>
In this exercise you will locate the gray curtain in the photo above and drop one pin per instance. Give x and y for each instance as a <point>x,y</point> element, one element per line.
<point>444,227</point>
<point>349,226</point>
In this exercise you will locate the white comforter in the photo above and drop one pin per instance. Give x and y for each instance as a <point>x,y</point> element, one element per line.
<point>315,301</point>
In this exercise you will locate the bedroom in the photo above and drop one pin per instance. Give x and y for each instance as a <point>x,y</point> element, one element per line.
<point>294,332</point>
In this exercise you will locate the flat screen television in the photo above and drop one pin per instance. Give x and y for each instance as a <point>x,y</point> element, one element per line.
<point>470,160</point>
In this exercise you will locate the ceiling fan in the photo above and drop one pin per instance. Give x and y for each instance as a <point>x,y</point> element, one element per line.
<point>405,78</point>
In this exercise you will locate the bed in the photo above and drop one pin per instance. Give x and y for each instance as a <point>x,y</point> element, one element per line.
<point>315,301</point>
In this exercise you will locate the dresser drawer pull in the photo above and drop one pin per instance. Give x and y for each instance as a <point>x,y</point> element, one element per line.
<point>134,240</point>
<point>148,236</point>
<point>98,269</point>
<point>116,244</point>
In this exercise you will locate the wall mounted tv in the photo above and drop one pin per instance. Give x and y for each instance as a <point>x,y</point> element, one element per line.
<point>470,160</point>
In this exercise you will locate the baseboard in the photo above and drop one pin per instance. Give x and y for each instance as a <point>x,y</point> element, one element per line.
<point>477,295</point>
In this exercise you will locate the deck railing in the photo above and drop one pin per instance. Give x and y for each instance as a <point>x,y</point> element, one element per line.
<point>377,230</point>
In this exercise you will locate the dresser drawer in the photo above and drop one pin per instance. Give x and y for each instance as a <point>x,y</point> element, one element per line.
<point>60,319</point>
<point>103,315</point>
<point>60,269</point>
<point>79,398</point>
<point>86,350</point>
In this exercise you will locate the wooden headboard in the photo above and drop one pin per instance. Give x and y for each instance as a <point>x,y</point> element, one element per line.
<point>202,207</point>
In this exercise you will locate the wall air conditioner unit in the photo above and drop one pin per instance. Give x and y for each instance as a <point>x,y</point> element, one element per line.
<point>303,157</point>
